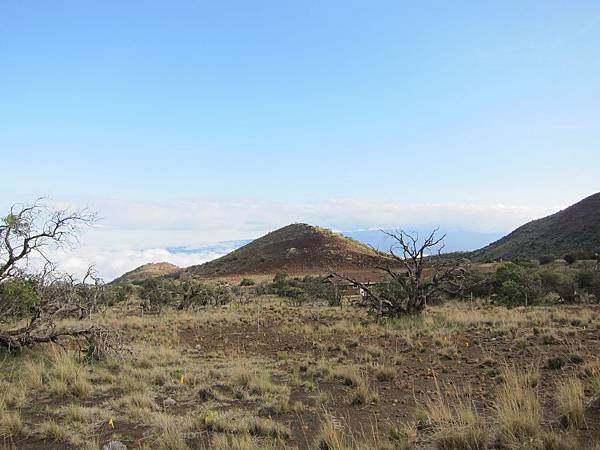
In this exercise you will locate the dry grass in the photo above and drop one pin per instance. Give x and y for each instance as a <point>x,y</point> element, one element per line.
<point>235,421</point>
<point>171,432</point>
<point>570,403</point>
<point>12,395</point>
<point>238,442</point>
<point>456,423</point>
<point>518,409</point>
<point>83,414</point>
<point>66,376</point>
<point>385,373</point>
<point>51,430</point>
<point>334,435</point>
<point>11,426</point>
<point>245,404</point>
<point>33,374</point>
<point>364,392</point>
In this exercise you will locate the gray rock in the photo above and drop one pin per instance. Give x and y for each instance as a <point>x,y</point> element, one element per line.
<point>114,445</point>
<point>169,402</point>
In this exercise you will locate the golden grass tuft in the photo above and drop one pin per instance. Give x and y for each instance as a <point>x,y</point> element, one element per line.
<point>385,373</point>
<point>11,426</point>
<point>331,435</point>
<point>456,422</point>
<point>238,442</point>
<point>33,374</point>
<point>570,403</point>
<point>171,432</point>
<point>66,376</point>
<point>518,409</point>
<point>256,383</point>
<point>239,422</point>
<point>51,430</point>
<point>83,414</point>
<point>12,395</point>
<point>364,392</point>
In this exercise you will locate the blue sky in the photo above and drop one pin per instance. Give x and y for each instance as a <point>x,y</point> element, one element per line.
<point>285,107</point>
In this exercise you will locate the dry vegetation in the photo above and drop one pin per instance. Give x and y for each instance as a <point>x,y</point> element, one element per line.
<point>268,375</point>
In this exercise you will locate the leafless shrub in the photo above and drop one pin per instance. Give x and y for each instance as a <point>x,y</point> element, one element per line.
<point>420,279</point>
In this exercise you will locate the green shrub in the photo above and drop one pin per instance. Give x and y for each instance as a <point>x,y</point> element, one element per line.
<point>156,294</point>
<point>17,297</point>
<point>546,259</point>
<point>517,284</point>
<point>584,278</point>
<point>589,281</point>
<point>300,290</point>
<point>561,284</point>
<point>476,283</point>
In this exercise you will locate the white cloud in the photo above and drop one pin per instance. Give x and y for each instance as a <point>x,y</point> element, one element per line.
<point>223,220</point>
<point>111,263</point>
<point>132,233</point>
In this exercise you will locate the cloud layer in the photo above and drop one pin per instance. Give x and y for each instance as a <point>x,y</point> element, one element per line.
<point>132,233</point>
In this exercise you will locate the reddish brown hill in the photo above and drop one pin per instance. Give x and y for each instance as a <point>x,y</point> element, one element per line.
<point>296,249</point>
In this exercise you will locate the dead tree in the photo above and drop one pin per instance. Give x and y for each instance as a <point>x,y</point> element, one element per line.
<point>33,230</point>
<point>415,275</point>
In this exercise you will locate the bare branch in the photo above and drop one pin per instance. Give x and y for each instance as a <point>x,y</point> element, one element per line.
<point>29,229</point>
<point>41,298</point>
<point>413,288</point>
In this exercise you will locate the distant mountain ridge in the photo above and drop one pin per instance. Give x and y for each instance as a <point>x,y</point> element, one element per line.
<point>575,229</point>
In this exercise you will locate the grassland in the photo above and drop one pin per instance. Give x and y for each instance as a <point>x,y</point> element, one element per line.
<point>268,375</point>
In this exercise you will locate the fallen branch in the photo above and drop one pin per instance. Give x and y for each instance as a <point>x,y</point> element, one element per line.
<point>25,337</point>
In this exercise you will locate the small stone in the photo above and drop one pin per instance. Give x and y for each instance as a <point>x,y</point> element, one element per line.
<point>169,402</point>
<point>114,445</point>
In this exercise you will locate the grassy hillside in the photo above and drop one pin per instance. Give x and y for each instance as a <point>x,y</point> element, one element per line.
<point>572,230</point>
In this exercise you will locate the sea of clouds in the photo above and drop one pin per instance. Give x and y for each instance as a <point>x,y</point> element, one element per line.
<point>192,231</point>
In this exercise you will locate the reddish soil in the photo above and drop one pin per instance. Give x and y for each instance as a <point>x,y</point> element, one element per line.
<point>297,249</point>
<point>475,365</point>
